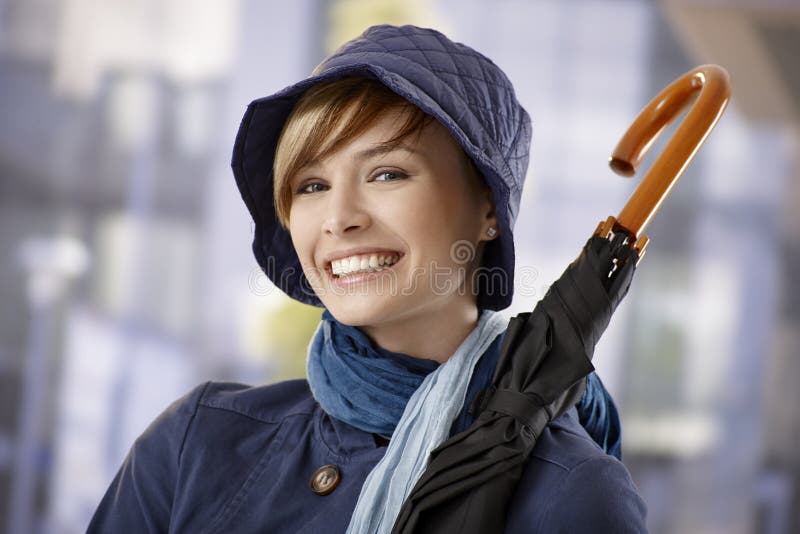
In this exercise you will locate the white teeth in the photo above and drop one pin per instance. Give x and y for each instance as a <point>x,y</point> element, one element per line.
<point>365,263</point>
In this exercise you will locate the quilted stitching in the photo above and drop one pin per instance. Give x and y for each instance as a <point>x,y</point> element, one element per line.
<point>458,74</point>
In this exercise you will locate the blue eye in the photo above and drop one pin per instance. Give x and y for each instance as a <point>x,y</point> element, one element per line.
<point>391,176</point>
<point>304,190</point>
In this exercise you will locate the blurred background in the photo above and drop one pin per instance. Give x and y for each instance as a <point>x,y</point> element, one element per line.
<point>126,275</point>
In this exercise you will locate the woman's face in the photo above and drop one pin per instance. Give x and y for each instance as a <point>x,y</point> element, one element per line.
<point>414,207</point>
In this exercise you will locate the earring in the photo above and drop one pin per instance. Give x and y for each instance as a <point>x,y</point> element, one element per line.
<point>491,232</point>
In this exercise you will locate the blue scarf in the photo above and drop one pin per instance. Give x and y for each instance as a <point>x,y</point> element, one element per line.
<point>598,415</point>
<point>368,387</point>
<point>358,382</point>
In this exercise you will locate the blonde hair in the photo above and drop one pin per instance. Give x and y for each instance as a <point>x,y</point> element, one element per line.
<point>328,116</point>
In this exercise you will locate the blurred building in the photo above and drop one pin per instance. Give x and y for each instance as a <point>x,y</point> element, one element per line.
<point>127,276</point>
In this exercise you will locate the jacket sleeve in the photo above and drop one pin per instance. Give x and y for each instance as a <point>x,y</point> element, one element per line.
<point>597,495</point>
<point>140,496</point>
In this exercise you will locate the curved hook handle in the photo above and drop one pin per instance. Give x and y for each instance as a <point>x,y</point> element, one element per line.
<point>709,88</point>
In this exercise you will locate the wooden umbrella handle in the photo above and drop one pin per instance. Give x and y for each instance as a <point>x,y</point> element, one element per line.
<point>708,88</point>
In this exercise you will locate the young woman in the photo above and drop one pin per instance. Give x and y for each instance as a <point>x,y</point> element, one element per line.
<point>384,189</point>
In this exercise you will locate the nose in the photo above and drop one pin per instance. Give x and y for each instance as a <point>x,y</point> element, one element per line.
<point>345,212</point>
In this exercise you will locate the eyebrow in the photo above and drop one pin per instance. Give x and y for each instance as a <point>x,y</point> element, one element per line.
<point>380,150</point>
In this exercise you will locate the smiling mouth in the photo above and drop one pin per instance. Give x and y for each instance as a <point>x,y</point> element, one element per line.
<point>362,264</point>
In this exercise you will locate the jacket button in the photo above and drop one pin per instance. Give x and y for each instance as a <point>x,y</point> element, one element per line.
<point>325,479</point>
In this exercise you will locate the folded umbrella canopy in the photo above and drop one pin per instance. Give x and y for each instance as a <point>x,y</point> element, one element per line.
<point>546,354</point>
<point>486,461</point>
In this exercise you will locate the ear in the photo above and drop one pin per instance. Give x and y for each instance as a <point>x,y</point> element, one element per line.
<point>489,215</point>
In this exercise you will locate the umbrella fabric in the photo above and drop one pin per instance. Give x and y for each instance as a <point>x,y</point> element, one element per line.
<point>545,357</point>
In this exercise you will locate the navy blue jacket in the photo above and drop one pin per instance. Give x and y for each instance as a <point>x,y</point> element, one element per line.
<point>238,459</point>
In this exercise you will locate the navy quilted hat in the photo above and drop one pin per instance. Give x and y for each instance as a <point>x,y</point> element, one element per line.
<point>458,86</point>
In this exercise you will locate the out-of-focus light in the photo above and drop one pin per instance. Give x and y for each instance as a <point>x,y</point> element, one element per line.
<point>51,262</point>
<point>64,255</point>
<point>350,17</point>
<point>679,435</point>
<point>132,112</point>
<point>199,38</point>
<point>187,41</point>
<point>193,121</point>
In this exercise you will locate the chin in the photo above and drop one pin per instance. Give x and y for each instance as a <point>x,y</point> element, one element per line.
<point>360,311</point>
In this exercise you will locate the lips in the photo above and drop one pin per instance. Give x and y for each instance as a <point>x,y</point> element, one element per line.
<point>360,251</point>
<point>340,275</point>
<point>363,263</point>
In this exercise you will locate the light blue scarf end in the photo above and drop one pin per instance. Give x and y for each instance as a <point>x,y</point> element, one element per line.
<point>424,425</point>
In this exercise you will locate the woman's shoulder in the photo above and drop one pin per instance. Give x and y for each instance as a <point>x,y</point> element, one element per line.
<point>215,432</point>
<point>268,403</point>
<point>565,444</point>
<point>570,483</point>
<point>222,403</point>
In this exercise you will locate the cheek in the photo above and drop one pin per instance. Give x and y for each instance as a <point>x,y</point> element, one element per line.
<point>302,237</point>
<point>451,212</point>
<point>436,223</point>
<point>421,216</point>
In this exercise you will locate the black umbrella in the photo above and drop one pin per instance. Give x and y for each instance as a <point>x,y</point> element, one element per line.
<point>483,464</point>
<point>546,354</point>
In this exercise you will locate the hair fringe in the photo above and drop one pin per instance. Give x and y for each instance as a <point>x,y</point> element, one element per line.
<point>327,117</point>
